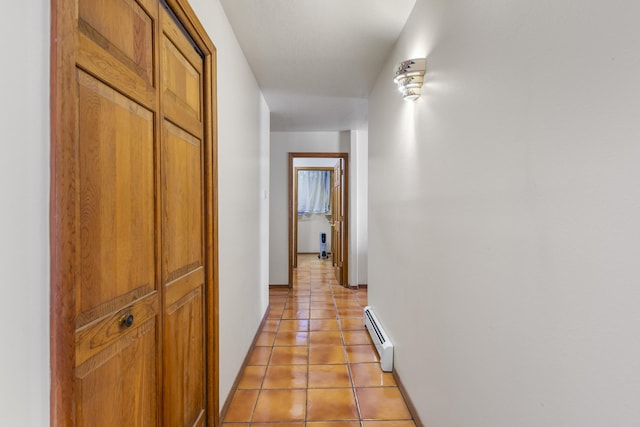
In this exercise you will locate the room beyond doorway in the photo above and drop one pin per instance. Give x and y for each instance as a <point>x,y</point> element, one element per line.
<point>339,214</point>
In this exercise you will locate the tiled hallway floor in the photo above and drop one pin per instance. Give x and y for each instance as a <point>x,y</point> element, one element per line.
<point>314,364</point>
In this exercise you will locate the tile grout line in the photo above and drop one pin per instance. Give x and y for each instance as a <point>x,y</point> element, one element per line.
<point>268,365</point>
<point>346,356</point>
<point>266,369</point>
<point>315,289</point>
<point>306,403</point>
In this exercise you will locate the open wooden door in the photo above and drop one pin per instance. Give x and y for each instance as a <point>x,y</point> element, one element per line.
<point>337,223</point>
<point>133,216</point>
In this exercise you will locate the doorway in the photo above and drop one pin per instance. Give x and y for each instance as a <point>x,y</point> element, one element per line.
<point>315,214</point>
<point>339,213</point>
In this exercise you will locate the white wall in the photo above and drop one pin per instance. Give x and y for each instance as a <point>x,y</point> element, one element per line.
<point>265,142</point>
<point>320,162</point>
<point>358,233</point>
<point>283,143</point>
<point>363,206</point>
<point>243,193</point>
<point>309,229</point>
<point>504,213</point>
<point>24,217</point>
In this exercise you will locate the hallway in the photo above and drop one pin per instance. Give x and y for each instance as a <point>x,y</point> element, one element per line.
<point>313,364</point>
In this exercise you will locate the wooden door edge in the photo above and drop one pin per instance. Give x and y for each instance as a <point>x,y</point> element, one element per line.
<point>61,221</point>
<point>346,194</point>
<point>290,219</point>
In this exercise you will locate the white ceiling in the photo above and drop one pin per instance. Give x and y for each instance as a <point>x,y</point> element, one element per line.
<point>317,60</point>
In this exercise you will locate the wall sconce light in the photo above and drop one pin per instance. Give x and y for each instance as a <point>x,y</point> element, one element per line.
<point>409,78</point>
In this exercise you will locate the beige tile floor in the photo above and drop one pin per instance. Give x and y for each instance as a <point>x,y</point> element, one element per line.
<point>314,364</point>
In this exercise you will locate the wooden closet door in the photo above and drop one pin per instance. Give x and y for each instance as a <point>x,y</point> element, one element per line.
<point>183,250</point>
<point>117,298</point>
<point>137,222</point>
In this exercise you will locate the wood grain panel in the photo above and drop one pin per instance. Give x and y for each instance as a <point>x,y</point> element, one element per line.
<point>112,305</point>
<point>176,290</point>
<point>95,337</point>
<point>92,58</point>
<point>182,185</point>
<point>183,227</point>
<point>123,29</point>
<point>117,387</point>
<point>116,195</point>
<point>181,83</point>
<point>184,363</point>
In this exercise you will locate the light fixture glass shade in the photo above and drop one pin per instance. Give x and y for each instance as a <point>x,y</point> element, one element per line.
<point>410,77</point>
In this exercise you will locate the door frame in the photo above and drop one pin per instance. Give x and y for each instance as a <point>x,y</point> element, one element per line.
<point>63,206</point>
<point>293,220</point>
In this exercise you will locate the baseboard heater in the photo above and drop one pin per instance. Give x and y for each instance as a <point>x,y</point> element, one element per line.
<point>380,339</point>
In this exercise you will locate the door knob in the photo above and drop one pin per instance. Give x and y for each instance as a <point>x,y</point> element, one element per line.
<point>127,321</point>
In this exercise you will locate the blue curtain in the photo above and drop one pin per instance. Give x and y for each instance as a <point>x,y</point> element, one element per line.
<point>314,192</point>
